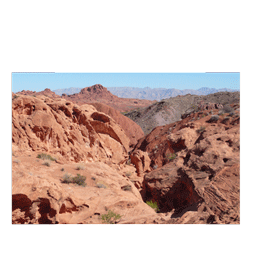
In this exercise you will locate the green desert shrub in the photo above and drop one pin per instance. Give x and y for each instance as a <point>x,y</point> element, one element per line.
<point>153,205</point>
<point>79,180</point>
<point>170,157</point>
<point>44,156</point>
<point>110,217</point>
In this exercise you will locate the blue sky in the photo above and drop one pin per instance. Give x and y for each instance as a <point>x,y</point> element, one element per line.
<point>40,81</point>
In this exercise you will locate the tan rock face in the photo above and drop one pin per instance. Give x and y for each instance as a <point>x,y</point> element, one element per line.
<point>141,160</point>
<point>78,133</point>
<point>133,131</point>
<point>39,197</point>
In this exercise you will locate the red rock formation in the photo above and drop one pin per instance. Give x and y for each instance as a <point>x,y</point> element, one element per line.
<point>100,94</point>
<point>39,197</point>
<point>141,160</point>
<point>133,131</point>
<point>201,182</point>
<point>66,130</point>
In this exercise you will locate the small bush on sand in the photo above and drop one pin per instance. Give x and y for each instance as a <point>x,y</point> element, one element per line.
<point>62,169</point>
<point>44,156</point>
<point>110,217</point>
<point>67,178</point>
<point>153,205</point>
<point>79,180</point>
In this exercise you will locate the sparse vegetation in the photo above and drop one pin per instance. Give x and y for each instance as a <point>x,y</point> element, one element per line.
<point>15,97</point>
<point>79,179</point>
<point>110,217</point>
<point>201,129</point>
<point>153,205</point>
<point>127,188</point>
<point>170,157</point>
<point>62,169</point>
<point>67,178</point>
<point>214,118</point>
<point>128,162</point>
<point>44,156</point>
<point>196,108</point>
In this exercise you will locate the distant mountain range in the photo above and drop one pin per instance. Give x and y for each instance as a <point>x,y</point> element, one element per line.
<point>148,93</point>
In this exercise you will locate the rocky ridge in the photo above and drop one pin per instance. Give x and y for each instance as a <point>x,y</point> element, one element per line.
<point>100,94</point>
<point>196,164</point>
<point>170,110</point>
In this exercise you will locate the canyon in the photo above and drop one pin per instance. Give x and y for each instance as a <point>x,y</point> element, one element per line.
<point>79,160</point>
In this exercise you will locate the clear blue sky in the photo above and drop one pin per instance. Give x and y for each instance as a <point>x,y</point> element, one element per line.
<point>40,81</point>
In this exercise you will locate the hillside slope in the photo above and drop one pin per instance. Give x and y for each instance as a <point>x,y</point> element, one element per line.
<point>170,110</point>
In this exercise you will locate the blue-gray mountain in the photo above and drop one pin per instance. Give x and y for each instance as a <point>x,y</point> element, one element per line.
<point>149,93</point>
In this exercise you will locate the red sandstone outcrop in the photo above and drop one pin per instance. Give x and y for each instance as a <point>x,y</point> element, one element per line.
<point>197,179</point>
<point>190,167</point>
<point>100,94</point>
<point>133,131</point>
<point>39,196</point>
<point>47,92</point>
<point>141,160</point>
<point>71,134</point>
<point>69,131</point>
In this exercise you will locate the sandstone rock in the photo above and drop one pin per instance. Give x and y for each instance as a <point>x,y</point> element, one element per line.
<point>41,198</point>
<point>141,160</point>
<point>66,130</point>
<point>201,185</point>
<point>131,129</point>
<point>100,94</point>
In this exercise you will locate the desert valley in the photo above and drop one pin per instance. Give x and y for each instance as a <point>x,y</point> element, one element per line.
<point>92,157</point>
